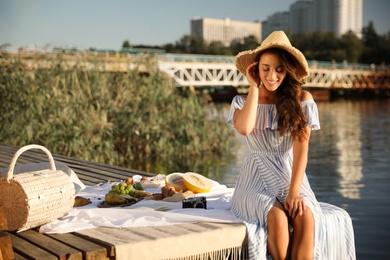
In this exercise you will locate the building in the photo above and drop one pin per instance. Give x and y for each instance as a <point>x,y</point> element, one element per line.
<point>301,17</point>
<point>224,30</point>
<point>279,21</point>
<point>350,17</point>
<point>305,16</point>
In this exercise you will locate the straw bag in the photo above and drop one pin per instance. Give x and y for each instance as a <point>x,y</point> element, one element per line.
<point>31,199</point>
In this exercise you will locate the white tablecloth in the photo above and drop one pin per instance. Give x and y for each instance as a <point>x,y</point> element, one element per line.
<point>145,213</point>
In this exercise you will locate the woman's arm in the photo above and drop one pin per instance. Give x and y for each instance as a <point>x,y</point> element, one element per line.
<point>294,203</point>
<point>244,120</point>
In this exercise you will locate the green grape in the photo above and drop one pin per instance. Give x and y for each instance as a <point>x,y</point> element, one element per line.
<point>131,193</point>
<point>122,186</point>
<point>129,188</point>
<point>115,187</point>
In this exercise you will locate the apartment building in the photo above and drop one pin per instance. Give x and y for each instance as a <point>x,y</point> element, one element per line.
<point>224,30</point>
<point>275,22</point>
<point>304,16</point>
<point>301,17</point>
<point>337,16</point>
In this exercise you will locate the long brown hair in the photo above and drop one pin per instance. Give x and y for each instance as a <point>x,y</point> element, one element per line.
<point>288,97</point>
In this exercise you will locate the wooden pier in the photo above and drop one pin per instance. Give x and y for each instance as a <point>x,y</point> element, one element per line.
<point>227,240</point>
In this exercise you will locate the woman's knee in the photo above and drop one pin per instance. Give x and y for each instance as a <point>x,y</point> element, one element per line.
<point>278,234</point>
<point>305,222</point>
<point>277,217</point>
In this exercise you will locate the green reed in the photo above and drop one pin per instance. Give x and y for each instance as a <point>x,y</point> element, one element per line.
<point>134,119</point>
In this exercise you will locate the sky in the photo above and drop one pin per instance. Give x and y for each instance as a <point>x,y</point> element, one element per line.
<point>106,24</point>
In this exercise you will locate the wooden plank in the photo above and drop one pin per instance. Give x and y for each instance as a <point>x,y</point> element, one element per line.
<point>6,251</point>
<point>62,251</point>
<point>18,257</point>
<point>110,248</point>
<point>28,250</point>
<point>89,249</point>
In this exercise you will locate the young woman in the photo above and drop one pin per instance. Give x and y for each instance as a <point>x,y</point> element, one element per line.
<point>272,194</point>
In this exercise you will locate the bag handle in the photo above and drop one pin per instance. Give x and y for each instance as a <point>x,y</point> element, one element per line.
<point>10,172</point>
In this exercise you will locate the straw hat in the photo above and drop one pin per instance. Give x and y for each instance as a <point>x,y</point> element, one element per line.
<point>277,39</point>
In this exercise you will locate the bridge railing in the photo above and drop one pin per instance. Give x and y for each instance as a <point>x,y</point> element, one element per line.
<point>196,58</point>
<point>230,59</point>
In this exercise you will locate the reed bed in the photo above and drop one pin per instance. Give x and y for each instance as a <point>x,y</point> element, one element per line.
<point>136,118</point>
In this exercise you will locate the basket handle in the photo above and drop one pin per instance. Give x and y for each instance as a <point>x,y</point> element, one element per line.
<point>10,173</point>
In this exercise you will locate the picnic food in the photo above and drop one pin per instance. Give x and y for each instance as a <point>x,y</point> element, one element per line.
<point>140,193</point>
<point>122,188</point>
<point>153,182</point>
<point>81,201</point>
<point>196,182</point>
<point>176,180</point>
<point>168,190</point>
<point>174,188</point>
<point>115,199</point>
<point>129,181</point>
<point>138,186</point>
<point>135,190</point>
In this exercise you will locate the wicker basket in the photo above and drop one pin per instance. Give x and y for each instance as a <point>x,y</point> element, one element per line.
<point>31,199</point>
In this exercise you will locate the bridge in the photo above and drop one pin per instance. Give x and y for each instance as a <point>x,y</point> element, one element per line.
<point>216,71</point>
<point>205,70</point>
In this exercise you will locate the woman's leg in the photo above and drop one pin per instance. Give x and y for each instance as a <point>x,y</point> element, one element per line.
<point>302,244</point>
<point>278,233</point>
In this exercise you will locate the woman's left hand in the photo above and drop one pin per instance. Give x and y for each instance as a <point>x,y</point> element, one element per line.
<point>294,205</point>
<point>252,74</point>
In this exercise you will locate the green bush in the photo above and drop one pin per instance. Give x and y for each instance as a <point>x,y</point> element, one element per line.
<point>134,119</point>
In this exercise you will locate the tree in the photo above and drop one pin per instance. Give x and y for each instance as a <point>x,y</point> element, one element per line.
<point>169,48</point>
<point>217,48</point>
<point>184,44</point>
<point>126,44</point>
<point>376,47</point>
<point>249,43</point>
<point>319,45</point>
<point>352,45</point>
<point>5,46</point>
<point>192,45</point>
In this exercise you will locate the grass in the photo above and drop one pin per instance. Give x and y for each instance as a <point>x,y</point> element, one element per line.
<point>131,119</point>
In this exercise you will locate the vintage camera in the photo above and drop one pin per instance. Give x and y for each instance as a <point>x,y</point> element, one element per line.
<point>195,202</point>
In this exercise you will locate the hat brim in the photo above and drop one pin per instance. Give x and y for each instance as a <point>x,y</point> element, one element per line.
<point>246,58</point>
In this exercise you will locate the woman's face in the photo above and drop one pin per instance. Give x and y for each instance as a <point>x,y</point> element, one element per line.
<point>272,73</point>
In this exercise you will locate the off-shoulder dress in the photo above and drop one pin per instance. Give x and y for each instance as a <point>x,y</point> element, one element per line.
<point>265,176</point>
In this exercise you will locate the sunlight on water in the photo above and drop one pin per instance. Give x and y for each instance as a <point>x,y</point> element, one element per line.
<point>347,124</point>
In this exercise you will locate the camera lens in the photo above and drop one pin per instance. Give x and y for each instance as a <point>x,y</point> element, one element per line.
<point>199,205</point>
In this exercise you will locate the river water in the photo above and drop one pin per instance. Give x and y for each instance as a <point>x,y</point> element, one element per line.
<point>349,166</point>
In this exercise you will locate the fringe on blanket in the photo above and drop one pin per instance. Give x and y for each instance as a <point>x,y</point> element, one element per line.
<point>234,253</point>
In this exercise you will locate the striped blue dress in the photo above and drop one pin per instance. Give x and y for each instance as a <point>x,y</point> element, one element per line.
<point>265,177</point>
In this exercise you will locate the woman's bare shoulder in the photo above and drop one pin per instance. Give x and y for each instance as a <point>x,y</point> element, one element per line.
<point>306,95</point>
